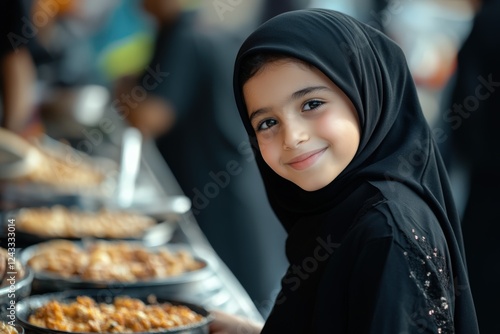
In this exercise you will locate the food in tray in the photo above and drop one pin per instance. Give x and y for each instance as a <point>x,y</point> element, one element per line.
<point>55,170</point>
<point>61,222</point>
<point>124,315</point>
<point>104,261</point>
<point>24,160</point>
<point>7,329</point>
<point>9,267</point>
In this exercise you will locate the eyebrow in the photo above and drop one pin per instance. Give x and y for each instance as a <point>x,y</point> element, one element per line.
<point>295,96</point>
<point>303,92</point>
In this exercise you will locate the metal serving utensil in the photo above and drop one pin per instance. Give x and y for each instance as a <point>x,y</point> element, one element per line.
<point>129,166</point>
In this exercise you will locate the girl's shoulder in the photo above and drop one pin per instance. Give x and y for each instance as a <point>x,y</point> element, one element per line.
<point>396,213</point>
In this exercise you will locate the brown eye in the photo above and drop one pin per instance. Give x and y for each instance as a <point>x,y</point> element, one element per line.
<point>266,124</point>
<point>313,104</point>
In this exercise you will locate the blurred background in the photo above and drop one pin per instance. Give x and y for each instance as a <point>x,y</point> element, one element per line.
<point>84,51</point>
<point>79,63</point>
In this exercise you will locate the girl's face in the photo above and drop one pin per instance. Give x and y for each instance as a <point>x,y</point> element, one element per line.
<point>307,128</point>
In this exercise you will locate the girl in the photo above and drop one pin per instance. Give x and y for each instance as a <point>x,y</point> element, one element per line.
<point>352,171</point>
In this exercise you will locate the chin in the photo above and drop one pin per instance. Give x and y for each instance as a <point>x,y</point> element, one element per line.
<point>311,186</point>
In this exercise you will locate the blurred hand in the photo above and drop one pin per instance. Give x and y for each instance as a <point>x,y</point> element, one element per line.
<point>230,324</point>
<point>153,117</point>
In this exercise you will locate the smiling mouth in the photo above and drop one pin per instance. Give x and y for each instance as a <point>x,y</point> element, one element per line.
<point>306,160</point>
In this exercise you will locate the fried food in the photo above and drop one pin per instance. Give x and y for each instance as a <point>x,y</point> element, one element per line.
<point>61,222</point>
<point>102,261</point>
<point>124,315</point>
<point>9,266</point>
<point>68,171</point>
<point>7,329</point>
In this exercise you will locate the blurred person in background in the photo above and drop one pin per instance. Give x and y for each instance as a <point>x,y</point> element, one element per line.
<point>472,116</point>
<point>65,28</point>
<point>190,111</point>
<point>17,70</point>
<point>45,45</point>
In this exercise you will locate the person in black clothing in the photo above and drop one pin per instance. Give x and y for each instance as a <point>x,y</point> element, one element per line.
<point>353,172</point>
<point>472,117</point>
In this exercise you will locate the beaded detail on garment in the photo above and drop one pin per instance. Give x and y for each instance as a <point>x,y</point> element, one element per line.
<point>429,271</point>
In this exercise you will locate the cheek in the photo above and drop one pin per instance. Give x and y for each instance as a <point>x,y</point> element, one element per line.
<point>325,125</point>
<point>270,153</point>
<point>330,127</point>
<point>340,132</point>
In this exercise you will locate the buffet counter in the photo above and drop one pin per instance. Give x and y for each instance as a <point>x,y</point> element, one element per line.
<point>149,189</point>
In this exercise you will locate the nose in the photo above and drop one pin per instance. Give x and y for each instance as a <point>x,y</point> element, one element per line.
<point>294,133</point>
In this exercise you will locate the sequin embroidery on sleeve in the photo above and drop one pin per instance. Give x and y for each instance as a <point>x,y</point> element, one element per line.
<point>429,271</point>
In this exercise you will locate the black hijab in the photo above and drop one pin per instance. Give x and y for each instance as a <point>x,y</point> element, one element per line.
<point>396,141</point>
